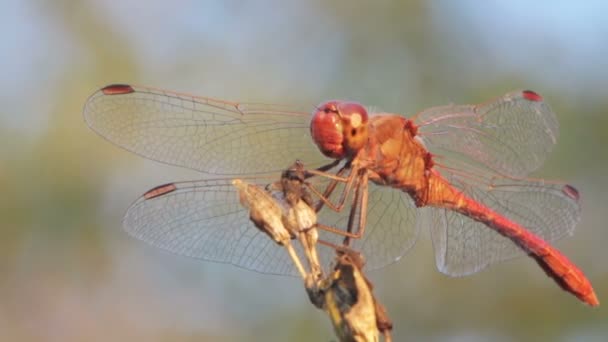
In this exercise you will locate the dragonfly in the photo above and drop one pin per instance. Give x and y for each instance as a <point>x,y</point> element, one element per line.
<point>463,171</point>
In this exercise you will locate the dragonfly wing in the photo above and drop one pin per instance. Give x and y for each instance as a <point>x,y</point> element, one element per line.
<point>391,230</point>
<point>511,135</point>
<point>209,135</point>
<point>205,220</point>
<point>464,246</point>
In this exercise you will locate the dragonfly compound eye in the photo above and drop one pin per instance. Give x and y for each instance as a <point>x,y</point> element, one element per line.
<point>326,128</point>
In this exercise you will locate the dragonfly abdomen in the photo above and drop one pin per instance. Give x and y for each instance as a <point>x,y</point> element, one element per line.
<point>557,266</point>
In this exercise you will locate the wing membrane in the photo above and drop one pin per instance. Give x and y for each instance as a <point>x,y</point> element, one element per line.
<point>205,220</point>
<point>464,246</point>
<point>391,228</point>
<point>511,135</point>
<point>212,136</point>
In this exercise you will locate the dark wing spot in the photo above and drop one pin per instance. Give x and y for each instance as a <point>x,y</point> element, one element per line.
<point>117,89</point>
<point>571,192</point>
<point>160,190</point>
<point>531,96</point>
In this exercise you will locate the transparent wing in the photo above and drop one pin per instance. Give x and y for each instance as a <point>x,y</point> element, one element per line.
<point>212,136</point>
<point>391,228</point>
<point>511,135</point>
<point>205,220</point>
<point>464,246</point>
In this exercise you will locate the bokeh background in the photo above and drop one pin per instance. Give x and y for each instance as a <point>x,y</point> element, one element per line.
<point>69,273</point>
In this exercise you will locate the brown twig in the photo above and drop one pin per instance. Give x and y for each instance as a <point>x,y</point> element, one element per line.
<point>284,211</point>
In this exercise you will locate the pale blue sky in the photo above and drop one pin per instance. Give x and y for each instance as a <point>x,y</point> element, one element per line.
<point>564,43</point>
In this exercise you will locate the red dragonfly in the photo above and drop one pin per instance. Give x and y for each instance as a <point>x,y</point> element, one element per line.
<point>462,168</point>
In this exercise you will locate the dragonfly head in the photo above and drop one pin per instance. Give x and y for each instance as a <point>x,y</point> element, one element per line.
<point>339,128</point>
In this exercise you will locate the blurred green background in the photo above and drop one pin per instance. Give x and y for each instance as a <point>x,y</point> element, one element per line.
<point>69,273</point>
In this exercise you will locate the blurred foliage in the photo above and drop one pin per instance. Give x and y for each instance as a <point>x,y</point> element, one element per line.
<point>68,273</point>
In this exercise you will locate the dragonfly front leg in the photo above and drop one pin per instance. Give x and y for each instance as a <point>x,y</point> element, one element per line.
<point>357,179</point>
<point>335,179</point>
<point>356,227</point>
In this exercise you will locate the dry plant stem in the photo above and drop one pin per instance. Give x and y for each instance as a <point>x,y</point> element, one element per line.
<point>267,215</point>
<point>309,239</point>
<point>346,296</point>
<point>296,260</point>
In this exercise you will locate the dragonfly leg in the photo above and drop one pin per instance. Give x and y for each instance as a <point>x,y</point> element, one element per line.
<point>353,213</point>
<point>359,206</point>
<point>357,179</point>
<point>336,178</point>
<point>324,197</point>
<point>337,231</point>
<point>327,167</point>
<point>339,249</point>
